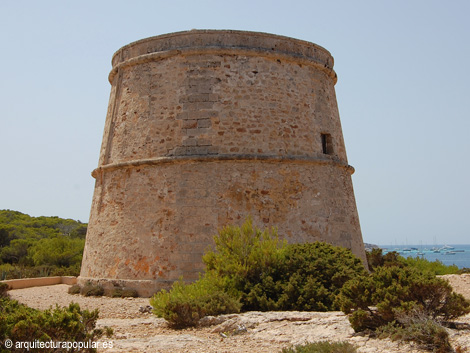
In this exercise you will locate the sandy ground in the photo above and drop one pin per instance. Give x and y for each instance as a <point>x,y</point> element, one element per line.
<point>252,332</point>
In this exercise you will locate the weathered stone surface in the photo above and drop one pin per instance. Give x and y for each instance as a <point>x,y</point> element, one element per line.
<point>205,128</point>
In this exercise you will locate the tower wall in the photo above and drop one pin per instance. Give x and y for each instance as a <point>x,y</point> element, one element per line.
<point>205,128</point>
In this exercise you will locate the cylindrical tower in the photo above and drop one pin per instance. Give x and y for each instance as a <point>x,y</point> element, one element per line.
<point>205,128</point>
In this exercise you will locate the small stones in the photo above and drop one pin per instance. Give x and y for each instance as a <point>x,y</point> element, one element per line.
<point>146,309</point>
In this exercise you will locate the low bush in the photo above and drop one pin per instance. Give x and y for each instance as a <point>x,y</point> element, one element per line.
<point>322,347</point>
<point>119,292</point>
<point>416,326</point>
<point>129,293</point>
<point>89,290</point>
<point>375,299</point>
<point>21,323</point>
<point>463,270</point>
<point>116,293</point>
<point>4,289</point>
<point>75,289</point>
<point>184,305</point>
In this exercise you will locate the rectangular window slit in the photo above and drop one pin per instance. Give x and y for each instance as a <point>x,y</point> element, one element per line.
<point>326,144</point>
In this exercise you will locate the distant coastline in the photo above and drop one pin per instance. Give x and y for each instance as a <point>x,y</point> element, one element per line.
<point>448,254</point>
<point>369,246</point>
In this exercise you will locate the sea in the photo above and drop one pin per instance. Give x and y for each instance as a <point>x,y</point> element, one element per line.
<point>448,254</point>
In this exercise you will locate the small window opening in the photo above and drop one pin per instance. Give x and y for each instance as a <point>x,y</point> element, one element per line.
<point>326,144</point>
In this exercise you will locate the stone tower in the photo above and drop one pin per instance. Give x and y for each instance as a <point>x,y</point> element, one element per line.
<point>205,128</point>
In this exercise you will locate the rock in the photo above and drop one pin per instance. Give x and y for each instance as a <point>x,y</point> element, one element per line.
<point>226,326</point>
<point>211,321</point>
<point>146,309</point>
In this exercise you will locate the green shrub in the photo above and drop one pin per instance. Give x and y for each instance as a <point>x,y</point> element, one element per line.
<point>463,270</point>
<point>308,279</point>
<point>435,267</point>
<point>376,258</point>
<point>268,274</point>
<point>184,305</point>
<point>119,292</point>
<point>89,290</point>
<point>116,293</point>
<point>75,289</point>
<point>322,347</point>
<point>394,289</point>
<point>129,293</point>
<point>243,254</point>
<point>4,289</point>
<point>5,269</point>
<point>21,323</point>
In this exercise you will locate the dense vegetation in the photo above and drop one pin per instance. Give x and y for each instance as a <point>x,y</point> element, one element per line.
<point>39,246</point>
<point>20,323</point>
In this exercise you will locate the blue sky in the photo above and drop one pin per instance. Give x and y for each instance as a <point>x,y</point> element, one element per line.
<point>403,94</point>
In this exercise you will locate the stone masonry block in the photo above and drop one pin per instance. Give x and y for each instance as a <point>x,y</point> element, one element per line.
<point>204,123</point>
<point>202,97</point>
<point>199,97</point>
<point>203,142</point>
<point>207,88</point>
<point>190,142</point>
<point>183,116</point>
<point>197,132</point>
<point>180,151</point>
<point>205,105</point>
<point>213,150</point>
<point>206,114</point>
<point>196,150</point>
<point>197,114</point>
<point>190,124</point>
